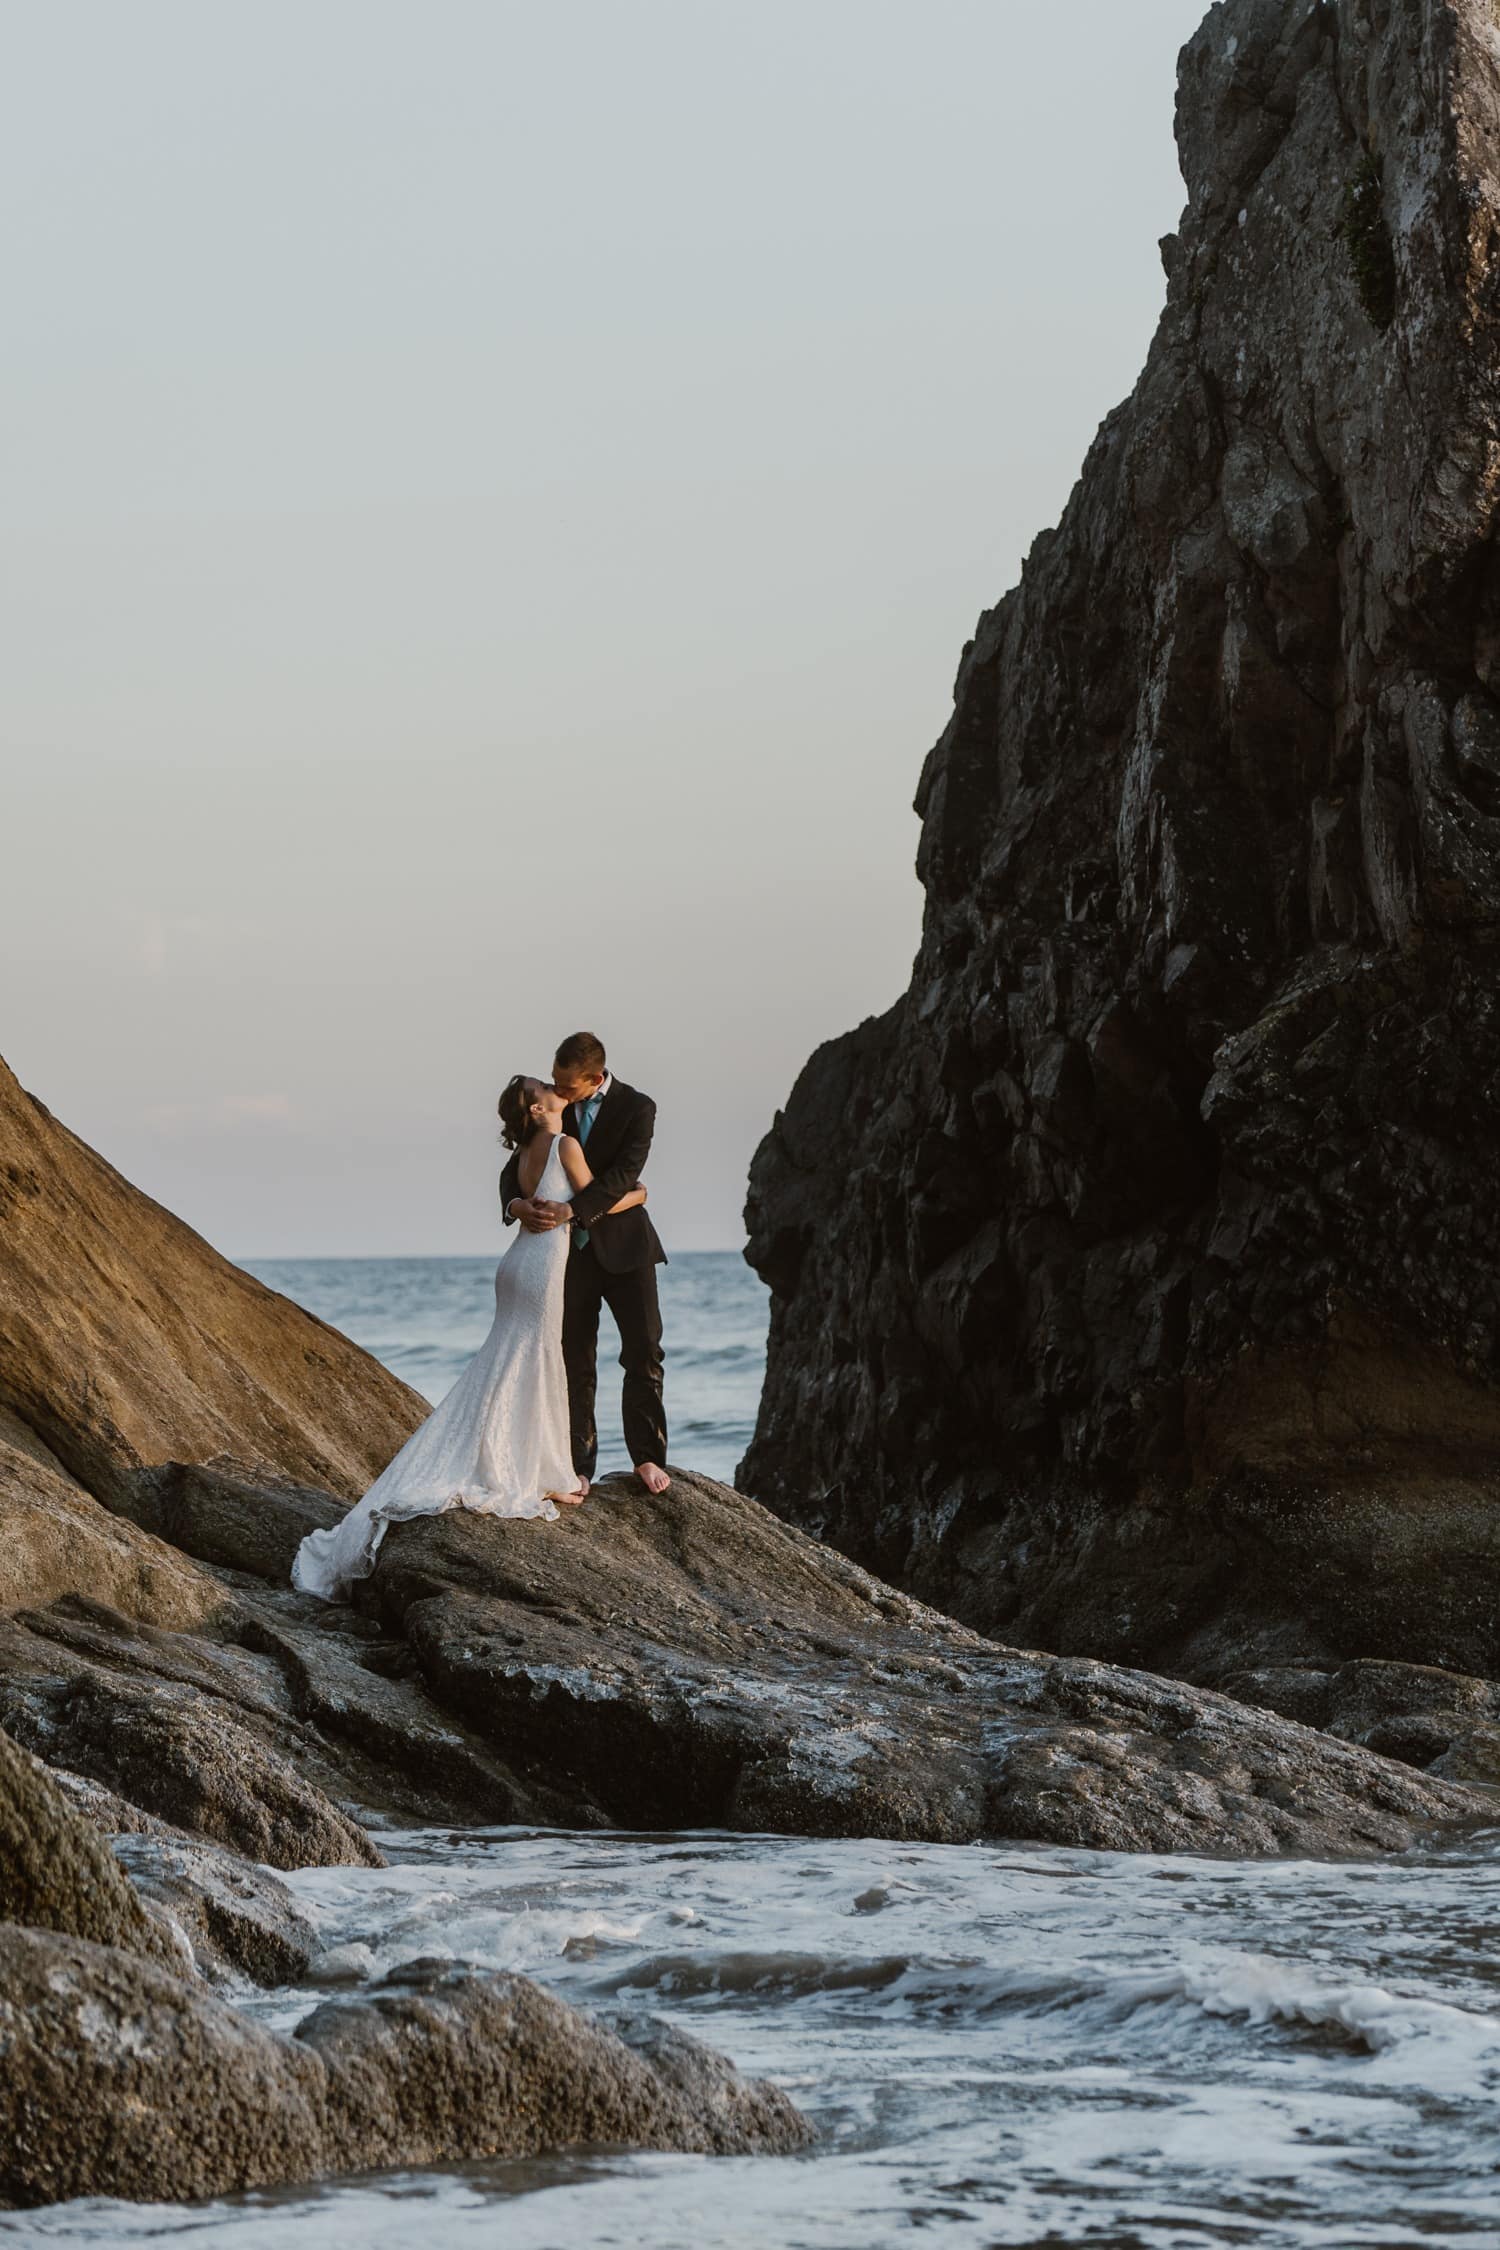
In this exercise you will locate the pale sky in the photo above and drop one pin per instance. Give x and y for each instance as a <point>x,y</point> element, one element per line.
<point>495,498</point>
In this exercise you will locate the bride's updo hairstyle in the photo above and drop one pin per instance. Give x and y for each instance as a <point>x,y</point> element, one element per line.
<point>516,1121</point>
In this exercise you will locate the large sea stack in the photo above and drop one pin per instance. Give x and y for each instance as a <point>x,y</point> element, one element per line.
<point>1137,1276</point>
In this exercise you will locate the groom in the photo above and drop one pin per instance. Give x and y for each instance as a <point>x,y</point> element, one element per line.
<point>612,1259</point>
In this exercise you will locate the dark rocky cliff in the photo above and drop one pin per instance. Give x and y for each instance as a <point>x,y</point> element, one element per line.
<point>1137,1276</point>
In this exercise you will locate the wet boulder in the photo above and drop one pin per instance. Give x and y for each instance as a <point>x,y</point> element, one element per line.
<point>1444,1723</point>
<point>122,2080</point>
<point>190,1761</point>
<point>237,1918</point>
<point>58,1873</point>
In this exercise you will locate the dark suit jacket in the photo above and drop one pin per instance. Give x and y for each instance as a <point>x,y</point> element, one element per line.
<point>617,1149</point>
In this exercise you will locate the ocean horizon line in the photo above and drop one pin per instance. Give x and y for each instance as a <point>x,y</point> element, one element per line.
<point>418,1257</point>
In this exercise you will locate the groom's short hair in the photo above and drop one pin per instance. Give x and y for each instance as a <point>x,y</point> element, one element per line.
<point>581,1051</point>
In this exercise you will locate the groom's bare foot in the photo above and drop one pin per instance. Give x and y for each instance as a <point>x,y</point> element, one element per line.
<point>653,1478</point>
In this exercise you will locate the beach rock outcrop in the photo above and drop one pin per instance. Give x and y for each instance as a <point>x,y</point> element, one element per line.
<point>122,2080</point>
<point>169,1431</point>
<point>687,1660</point>
<point>192,1762</point>
<point>127,1343</point>
<point>124,2076</point>
<point>56,1539</point>
<point>682,1660</point>
<point>1444,1723</point>
<point>236,1918</point>
<point>1136,1277</point>
<point>58,1873</point>
<point>259,1731</point>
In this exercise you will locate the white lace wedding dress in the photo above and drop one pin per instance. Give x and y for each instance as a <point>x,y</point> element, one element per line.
<point>499,1441</point>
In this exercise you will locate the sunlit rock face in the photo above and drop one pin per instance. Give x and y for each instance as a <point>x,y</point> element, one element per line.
<point>131,1352</point>
<point>1136,1278</point>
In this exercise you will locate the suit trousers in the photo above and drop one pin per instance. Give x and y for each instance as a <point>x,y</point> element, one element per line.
<point>632,1298</point>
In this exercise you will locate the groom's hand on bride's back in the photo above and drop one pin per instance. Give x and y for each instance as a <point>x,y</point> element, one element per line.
<point>535,1217</point>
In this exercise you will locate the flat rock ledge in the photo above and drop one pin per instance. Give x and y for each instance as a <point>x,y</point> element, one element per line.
<point>120,2079</point>
<point>688,1660</point>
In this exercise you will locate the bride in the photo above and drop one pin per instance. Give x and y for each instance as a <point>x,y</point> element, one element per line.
<point>499,1441</point>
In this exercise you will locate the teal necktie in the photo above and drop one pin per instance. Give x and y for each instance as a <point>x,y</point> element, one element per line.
<point>586,1116</point>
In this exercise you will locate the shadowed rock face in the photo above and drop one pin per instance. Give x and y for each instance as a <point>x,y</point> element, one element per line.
<point>237,1918</point>
<point>253,1732</point>
<point>206,1906</point>
<point>1136,1278</point>
<point>57,1873</point>
<point>121,2080</point>
<point>686,1660</point>
<point>193,1761</point>
<point>1439,1721</point>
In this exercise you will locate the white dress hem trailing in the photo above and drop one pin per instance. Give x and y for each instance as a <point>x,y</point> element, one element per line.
<point>498,1444</point>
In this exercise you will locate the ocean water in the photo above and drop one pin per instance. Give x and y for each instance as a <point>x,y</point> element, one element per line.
<point>998,2046</point>
<point>426,1317</point>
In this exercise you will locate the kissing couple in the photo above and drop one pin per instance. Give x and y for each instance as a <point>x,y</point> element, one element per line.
<point>516,1434</point>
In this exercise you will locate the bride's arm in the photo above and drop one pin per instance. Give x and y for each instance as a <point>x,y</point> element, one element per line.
<point>576,1165</point>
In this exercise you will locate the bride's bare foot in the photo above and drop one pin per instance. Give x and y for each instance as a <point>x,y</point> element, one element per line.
<point>653,1478</point>
<point>571,1499</point>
